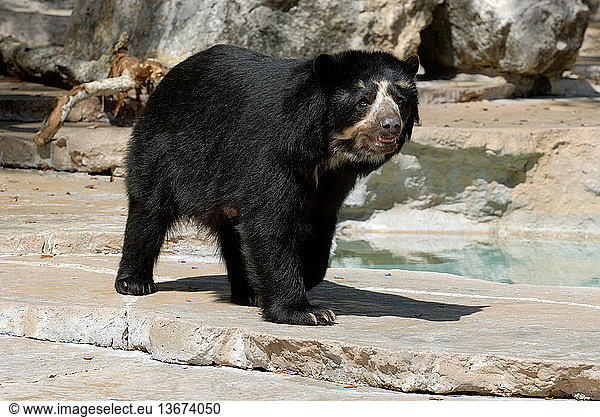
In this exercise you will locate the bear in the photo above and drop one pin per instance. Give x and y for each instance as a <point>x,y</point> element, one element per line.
<point>262,151</point>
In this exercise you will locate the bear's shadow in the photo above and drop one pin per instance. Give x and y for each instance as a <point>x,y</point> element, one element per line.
<point>343,300</point>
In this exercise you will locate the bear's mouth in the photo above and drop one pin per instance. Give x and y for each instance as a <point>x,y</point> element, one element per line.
<point>384,144</point>
<point>380,140</point>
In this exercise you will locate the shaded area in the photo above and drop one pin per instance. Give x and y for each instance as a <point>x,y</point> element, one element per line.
<point>343,300</point>
<point>25,107</point>
<point>436,49</point>
<point>19,128</point>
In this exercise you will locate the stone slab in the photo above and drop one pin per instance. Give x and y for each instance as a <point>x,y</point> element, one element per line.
<point>464,87</point>
<point>408,331</point>
<point>81,147</point>
<point>31,102</point>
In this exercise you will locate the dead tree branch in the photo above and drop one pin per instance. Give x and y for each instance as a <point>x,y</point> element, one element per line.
<point>79,93</point>
<point>126,73</point>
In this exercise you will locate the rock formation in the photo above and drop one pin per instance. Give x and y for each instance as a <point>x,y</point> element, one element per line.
<point>172,30</point>
<point>515,38</point>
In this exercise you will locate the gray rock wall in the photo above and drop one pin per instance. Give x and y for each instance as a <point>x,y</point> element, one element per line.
<point>518,39</point>
<point>172,30</point>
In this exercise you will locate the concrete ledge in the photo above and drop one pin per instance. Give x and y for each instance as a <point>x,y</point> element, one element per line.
<point>399,330</point>
<point>402,370</point>
<point>464,87</point>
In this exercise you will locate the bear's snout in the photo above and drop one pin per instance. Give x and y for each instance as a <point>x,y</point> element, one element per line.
<point>390,126</point>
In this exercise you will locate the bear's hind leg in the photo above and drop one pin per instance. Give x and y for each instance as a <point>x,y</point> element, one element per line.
<point>241,291</point>
<point>144,234</point>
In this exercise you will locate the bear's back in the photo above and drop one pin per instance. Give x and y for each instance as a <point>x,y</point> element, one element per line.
<point>223,84</point>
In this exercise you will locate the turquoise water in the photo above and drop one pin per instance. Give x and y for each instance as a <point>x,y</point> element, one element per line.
<point>537,262</point>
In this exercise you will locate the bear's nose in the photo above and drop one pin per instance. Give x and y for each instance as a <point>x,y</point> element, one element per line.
<point>390,125</point>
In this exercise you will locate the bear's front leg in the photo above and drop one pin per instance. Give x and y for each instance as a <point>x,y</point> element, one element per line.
<point>273,247</point>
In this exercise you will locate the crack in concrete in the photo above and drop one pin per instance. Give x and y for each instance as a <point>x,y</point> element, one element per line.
<point>125,335</point>
<point>55,376</point>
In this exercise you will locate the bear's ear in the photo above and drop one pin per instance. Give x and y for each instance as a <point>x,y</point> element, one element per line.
<point>325,66</point>
<point>411,65</point>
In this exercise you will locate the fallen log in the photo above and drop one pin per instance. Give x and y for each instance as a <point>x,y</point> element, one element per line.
<point>49,65</point>
<point>126,73</point>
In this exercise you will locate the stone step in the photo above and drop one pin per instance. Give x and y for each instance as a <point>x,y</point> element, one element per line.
<point>400,330</point>
<point>30,102</point>
<point>82,147</point>
<point>26,102</point>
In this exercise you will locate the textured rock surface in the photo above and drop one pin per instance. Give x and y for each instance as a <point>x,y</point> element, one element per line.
<point>509,37</point>
<point>173,30</point>
<point>84,148</point>
<point>37,370</point>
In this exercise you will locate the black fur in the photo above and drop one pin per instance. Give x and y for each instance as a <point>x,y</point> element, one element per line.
<point>242,143</point>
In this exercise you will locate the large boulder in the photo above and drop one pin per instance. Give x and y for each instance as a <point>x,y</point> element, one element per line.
<point>172,30</point>
<point>514,38</point>
<point>37,22</point>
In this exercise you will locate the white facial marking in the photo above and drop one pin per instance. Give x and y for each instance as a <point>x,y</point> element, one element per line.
<point>382,100</point>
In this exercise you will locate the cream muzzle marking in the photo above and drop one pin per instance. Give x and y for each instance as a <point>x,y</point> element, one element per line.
<point>370,144</point>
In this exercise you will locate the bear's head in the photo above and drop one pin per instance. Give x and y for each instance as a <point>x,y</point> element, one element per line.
<point>373,104</point>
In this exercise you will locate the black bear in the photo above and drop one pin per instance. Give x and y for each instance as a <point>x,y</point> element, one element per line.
<point>262,151</point>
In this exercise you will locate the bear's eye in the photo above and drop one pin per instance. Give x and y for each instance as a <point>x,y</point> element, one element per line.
<point>364,101</point>
<point>399,98</point>
<point>402,102</point>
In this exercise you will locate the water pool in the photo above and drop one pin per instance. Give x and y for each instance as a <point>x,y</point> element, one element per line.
<point>513,261</point>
